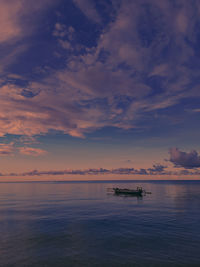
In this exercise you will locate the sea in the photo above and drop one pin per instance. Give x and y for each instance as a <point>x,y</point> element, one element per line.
<point>86,224</point>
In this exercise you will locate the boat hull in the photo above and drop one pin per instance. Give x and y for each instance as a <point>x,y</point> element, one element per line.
<point>128,192</point>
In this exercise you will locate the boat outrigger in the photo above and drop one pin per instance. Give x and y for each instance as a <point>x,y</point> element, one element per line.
<point>137,192</point>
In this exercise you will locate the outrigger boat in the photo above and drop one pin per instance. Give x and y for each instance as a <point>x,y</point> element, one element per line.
<point>137,192</point>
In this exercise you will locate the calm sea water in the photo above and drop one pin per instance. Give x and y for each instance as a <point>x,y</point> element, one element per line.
<point>81,224</point>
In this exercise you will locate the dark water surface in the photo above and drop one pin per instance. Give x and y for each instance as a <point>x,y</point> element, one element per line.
<point>80,224</point>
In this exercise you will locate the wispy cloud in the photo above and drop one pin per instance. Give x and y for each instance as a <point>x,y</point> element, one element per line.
<point>10,27</point>
<point>31,151</point>
<point>7,149</point>
<point>11,149</point>
<point>88,8</point>
<point>18,21</point>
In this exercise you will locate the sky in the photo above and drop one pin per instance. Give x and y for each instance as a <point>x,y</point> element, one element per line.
<point>99,89</point>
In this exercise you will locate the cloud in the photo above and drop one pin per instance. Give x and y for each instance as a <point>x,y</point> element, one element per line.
<point>88,8</point>
<point>138,65</point>
<point>13,14</point>
<point>11,149</point>
<point>101,171</point>
<point>30,151</point>
<point>156,170</point>
<point>26,140</point>
<point>61,30</point>
<point>6,149</point>
<point>11,31</point>
<point>18,20</point>
<point>65,36</point>
<point>187,160</point>
<point>9,20</point>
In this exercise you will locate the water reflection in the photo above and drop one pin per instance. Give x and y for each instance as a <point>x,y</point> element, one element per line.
<point>124,195</point>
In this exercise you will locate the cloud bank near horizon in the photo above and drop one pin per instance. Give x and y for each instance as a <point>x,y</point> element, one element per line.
<point>155,170</point>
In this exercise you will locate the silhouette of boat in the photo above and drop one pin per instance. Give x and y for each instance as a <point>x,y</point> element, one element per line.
<point>137,192</point>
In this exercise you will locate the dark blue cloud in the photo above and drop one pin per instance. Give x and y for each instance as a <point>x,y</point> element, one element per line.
<point>187,160</point>
<point>157,169</point>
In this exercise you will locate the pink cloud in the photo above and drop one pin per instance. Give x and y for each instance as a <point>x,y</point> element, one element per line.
<point>11,149</point>
<point>12,14</point>
<point>18,19</point>
<point>9,20</point>
<point>31,151</point>
<point>7,149</point>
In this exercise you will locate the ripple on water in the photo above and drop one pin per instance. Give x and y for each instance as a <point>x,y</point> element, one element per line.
<point>80,224</point>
